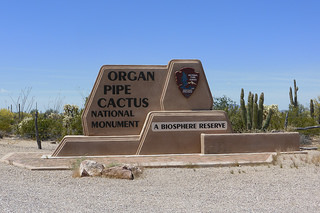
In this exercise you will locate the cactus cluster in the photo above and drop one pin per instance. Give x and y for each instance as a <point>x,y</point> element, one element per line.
<point>252,114</point>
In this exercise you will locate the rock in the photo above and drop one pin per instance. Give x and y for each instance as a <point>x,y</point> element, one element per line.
<point>90,168</point>
<point>121,172</point>
<point>136,171</point>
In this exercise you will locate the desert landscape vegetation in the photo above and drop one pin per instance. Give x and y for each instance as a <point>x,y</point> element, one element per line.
<point>251,115</point>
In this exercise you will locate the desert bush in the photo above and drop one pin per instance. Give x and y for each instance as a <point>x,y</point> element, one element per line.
<point>278,118</point>
<point>316,109</point>
<point>300,117</point>
<point>6,121</point>
<point>72,124</point>
<point>52,124</point>
<point>26,128</point>
<point>232,109</point>
<point>50,127</point>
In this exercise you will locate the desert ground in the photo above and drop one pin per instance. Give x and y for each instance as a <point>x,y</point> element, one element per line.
<point>291,184</point>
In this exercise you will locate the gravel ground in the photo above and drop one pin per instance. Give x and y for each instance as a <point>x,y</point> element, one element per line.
<point>292,185</point>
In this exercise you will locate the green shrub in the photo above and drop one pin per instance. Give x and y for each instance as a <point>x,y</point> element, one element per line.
<point>6,121</point>
<point>300,117</point>
<point>278,118</point>
<point>49,127</point>
<point>55,125</point>
<point>72,124</point>
<point>233,111</point>
<point>52,125</point>
<point>26,127</point>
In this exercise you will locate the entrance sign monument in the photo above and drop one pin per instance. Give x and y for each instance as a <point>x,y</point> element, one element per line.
<point>158,109</point>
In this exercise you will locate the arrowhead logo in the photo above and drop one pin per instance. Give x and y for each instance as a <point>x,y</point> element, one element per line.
<point>187,81</point>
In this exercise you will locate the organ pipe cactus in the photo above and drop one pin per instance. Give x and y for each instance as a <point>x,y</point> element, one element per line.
<point>255,113</point>
<point>252,114</point>
<point>249,112</point>
<point>260,110</point>
<point>243,108</point>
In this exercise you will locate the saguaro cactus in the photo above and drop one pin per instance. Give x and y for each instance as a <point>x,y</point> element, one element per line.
<point>294,100</point>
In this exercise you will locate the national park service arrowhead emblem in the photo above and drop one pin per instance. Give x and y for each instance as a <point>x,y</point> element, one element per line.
<point>187,81</point>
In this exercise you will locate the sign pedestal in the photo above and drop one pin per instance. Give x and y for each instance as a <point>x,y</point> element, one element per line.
<point>174,132</point>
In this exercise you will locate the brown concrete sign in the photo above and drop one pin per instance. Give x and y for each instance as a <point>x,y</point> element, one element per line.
<point>149,109</point>
<point>122,96</point>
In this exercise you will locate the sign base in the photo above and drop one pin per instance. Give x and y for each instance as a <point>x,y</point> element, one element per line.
<point>164,132</point>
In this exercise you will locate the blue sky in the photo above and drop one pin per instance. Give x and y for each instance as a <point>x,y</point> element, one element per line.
<point>57,47</point>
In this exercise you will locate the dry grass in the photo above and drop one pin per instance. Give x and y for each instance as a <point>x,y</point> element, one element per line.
<point>241,171</point>
<point>276,159</point>
<point>75,167</point>
<point>296,160</point>
<point>112,164</point>
<point>235,164</point>
<point>192,166</point>
<point>294,164</point>
<point>316,160</point>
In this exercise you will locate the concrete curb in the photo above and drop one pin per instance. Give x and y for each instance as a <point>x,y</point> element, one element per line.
<point>38,161</point>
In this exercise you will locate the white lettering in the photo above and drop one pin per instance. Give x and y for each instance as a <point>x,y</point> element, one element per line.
<point>189,126</point>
